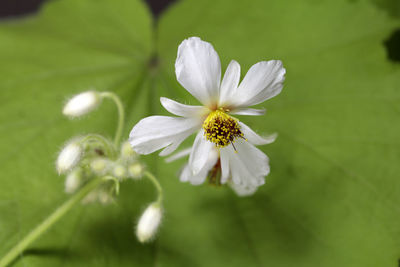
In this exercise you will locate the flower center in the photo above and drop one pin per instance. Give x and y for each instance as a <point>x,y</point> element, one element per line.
<point>221,129</point>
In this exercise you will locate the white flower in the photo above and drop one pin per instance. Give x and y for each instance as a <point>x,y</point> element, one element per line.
<point>149,222</point>
<point>222,142</point>
<point>82,104</point>
<point>69,157</point>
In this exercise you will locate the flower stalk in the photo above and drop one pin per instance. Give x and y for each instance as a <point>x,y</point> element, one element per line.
<point>121,114</point>
<point>157,185</point>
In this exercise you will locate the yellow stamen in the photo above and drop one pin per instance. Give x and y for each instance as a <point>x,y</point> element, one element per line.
<point>221,129</point>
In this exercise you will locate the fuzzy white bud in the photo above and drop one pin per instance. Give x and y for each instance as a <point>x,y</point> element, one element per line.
<point>99,165</point>
<point>119,171</point>
<point>149,223</point>
<point>68,157</point>
<point>82,104</point>
<point>135,170</point>
<point>73,181</point>
<point>127,151</point>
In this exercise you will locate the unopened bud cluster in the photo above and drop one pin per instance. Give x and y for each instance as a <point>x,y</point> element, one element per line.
<point>93,156</point>
<point>87,157</point>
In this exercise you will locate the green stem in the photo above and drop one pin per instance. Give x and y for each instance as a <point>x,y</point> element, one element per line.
<point>121,115</point>
<point>157,185</point>
<point>48,222</point>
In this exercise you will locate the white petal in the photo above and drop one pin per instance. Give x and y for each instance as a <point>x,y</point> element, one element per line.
<point>179,154</point>
<point>254,159</point>
<point>172,147</point>
<point>243,190</point>
<point>198,69</point>
<point>199,178</point>
<point>230,82</point>
<point>263,81</point>
<point>254,138</point>
<point>188,176</point>
<point>155,132</point>
<point>248,165</point>
<point>247,111</point>
<point>224,169</point>
<point>179,109</point>
<point>200,152</point>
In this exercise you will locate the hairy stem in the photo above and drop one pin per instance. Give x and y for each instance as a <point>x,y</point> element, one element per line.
<point>157,185</point>
<point>121,115</point>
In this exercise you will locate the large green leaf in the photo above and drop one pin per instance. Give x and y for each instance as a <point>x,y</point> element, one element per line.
<point>332,198</point>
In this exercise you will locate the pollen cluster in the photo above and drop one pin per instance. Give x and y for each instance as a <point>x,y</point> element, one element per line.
<point>221,129</point>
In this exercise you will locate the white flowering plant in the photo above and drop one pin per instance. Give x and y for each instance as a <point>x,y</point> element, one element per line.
<point>223,149</point>
<point>324,193</point>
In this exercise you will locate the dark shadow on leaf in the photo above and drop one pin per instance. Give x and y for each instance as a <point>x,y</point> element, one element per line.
<point>392,45</point>
<point>61,253</point>
<point>18,9</point>
<point>157,7</point>
<point>392,7</point>
<point>51,252</point>
<point>12,8</point>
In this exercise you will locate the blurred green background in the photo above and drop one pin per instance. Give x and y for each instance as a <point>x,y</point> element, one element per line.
<point>333,195</point>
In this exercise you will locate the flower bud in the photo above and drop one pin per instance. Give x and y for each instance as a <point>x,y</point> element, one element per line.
<point>68,157</point>
<point>99,166</point>
<point>127,151</point>
<point>149,223</point>
<point>135,170</point>
<point>82,104</point>
<point>119,171</point>
<point>73,181</point>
